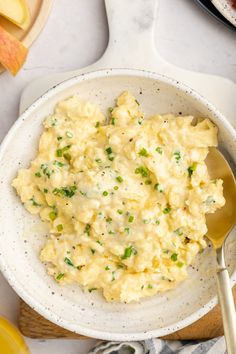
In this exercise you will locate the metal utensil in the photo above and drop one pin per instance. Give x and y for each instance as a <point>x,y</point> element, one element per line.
<point>219,226</point>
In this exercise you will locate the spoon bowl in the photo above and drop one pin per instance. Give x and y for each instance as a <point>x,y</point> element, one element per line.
<point>219,226</point>
<point>221,222</point>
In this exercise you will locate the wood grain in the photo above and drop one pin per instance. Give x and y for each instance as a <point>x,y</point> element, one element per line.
<point>39,10</point>
<point>33,325</point>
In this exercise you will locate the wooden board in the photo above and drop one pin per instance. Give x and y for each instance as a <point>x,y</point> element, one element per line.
<point>39,10</point>
<point>33,325</point>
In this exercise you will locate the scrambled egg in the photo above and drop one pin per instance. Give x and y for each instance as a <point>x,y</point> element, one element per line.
<point>125,198</point>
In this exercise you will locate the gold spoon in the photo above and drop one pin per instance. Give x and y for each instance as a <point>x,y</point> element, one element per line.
<point>219,226</point>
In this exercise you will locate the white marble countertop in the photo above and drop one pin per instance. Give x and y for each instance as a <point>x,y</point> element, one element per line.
<point>184,35</point>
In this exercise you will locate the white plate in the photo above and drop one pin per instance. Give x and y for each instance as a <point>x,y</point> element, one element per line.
<point>226,9</point>
<point>21,235</point>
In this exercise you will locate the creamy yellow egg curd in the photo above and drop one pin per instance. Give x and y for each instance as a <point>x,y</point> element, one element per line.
<point>125,198</point>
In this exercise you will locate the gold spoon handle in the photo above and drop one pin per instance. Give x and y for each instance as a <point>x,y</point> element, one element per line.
<point>226,302</point>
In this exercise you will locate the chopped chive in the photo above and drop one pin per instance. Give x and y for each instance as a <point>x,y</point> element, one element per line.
<point>127,230</point>
<point>92,250</point>
<point>69,135</point>
<point>159,150</point>
<point>83,193</point>
<point>137,102</point>
<point>52,215</point>
<point>59,227</point>
<point>58,163</point>
<point>159,187</point>
<point>179,231</point>
<point>59,276</point>
<point>105,193</point>
<point>150,286</point>
<point>165,251</point>
<point>177,155</point>
<point>38,174</point>
<point>107,268</point>
<point>148,181</point>
<point>109,220</point>
<point>119,179</point>
<point>131,218</point>
<point>146,221</point>
<point>140,122</point>
<point>113,276</point>
<point>87,229</point>
<point>67,156</point>
<point>110,109</point>
<point>68,191</point>
<point>68,262</point>
<point>157,222</point>
<point>174,257</point>
<point>112,121</point>
<point>45,190</point>
<point>99,242</point>
<point>180,264</point>
<point>92,289</point>
<point>143,171</point>
<point>111,232</point>
<point>59,138</point>
<point>115,188</point>
<point>143,152</point>
<point>97,125</point>
<point>191,169</point>
<point>167,210</point>
<point>59,152</point>
<point>34,203</point>
<point>119,211</point>
<point>128,252</point>
<point>109,150</point>
<point>98,160</point>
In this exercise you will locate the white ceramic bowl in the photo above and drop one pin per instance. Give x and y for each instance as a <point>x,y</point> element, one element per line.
<point>21,234</point>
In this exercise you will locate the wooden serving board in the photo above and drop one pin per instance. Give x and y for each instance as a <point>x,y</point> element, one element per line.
<point>39,11</point>
<point>33,325</point>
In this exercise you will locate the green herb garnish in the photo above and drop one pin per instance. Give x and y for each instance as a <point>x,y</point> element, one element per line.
<point>131,218</point>
<point>92,289</point>
<point>107,268</point>
<point>87,229</point>
<point>174,257</point>
<point>159,187</point>
<point>143,171</point>
<point>179,231</point>
<point>59,227</point>
<point>105,193</point>
<point>92,250</point>
<point>191,169</point>
<point>34,202</point>
<point>68,262</point>
<point>58,163</point>
<point>159,150</point>
<point>38,174</point>
<point>119,211</point>
<point>59,276</point>
<point>68,191</point>
<point>69,135</point>
<point>119,179</point>
<point>177,155</point>
<point>143,152</point>
<point>167,210</point>
<point>128,252</point>
<point>150,286</point>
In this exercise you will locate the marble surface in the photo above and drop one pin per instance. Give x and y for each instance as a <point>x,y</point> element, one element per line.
<point>184,36</point>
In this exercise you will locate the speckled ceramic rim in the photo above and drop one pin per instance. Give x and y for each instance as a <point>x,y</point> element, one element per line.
<point>13,281</point>
<point>226,9</point>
